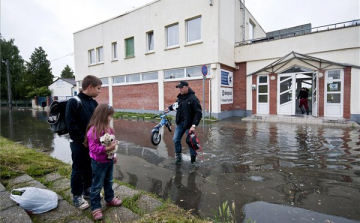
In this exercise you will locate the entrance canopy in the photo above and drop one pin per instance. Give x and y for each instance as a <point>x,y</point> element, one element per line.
<point>294,58</point>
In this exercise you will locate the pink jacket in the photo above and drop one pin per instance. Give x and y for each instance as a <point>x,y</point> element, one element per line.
<point>96,150</point>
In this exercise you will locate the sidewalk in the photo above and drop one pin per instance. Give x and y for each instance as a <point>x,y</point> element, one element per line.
<point>66,212</point>
<point>302,119</point>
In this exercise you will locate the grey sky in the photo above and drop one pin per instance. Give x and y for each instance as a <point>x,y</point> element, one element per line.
<point>51,23</point>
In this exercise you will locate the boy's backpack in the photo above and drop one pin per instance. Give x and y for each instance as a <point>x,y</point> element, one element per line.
<point>56,118</point>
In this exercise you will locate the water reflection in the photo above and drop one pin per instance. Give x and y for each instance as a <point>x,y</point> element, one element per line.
<point>311,167</point>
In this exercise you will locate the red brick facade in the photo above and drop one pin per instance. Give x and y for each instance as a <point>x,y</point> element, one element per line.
<point>273,94</point>
<point>171,92</point>
<point>240,87</point>
<point>137,97</point>
<point>347,93</point>
<point>254,95</point>
<point>103,97</point>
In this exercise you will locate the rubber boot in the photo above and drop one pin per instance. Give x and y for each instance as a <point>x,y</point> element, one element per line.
<point>302,110</point>
<point>307,111</point>
<point>193,159</point>
<point>178,158</point>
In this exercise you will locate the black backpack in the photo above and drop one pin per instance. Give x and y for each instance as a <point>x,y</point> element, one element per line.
<point>56,118</point>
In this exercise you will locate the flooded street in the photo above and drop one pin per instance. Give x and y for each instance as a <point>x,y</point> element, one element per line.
<point>280,170</point>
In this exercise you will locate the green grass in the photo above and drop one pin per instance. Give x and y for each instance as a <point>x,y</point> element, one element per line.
<point>16,160</point>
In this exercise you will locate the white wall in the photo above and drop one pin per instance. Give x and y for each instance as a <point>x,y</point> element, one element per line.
<point>322,42</point>
<point>61,88</point>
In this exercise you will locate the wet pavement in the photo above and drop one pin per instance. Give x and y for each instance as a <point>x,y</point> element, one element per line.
<point>277,167</point>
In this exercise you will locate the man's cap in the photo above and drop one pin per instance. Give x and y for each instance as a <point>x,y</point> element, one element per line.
<point>182,84</point>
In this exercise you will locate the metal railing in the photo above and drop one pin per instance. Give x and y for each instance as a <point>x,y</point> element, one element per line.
<point>355,22</point>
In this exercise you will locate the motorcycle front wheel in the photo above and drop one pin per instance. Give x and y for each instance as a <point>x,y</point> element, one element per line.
<point>155,138</point>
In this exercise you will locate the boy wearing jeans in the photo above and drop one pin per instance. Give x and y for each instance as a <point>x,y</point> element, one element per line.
<point>77,118</point>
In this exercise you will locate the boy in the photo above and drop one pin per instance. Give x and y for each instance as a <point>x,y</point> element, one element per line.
<point>76,120</point>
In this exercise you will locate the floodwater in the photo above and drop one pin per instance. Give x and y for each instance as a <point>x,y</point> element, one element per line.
<point>294,173</point>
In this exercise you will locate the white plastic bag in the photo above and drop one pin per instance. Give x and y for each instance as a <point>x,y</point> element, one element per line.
<point>35,200</point>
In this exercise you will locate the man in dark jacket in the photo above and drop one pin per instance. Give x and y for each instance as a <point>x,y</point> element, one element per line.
<point>188,116</point>
<point>303,96</point>
<point>77,118</point>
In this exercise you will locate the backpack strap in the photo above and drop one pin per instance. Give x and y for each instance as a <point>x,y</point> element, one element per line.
<point>78,101</point>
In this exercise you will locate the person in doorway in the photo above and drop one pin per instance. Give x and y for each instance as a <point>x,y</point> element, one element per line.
<point>188,116</point>
<point>303,96</point>
<point>102,166</point>
<point>77,118</point>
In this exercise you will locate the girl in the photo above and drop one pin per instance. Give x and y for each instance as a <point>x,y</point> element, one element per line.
<point>102,167</point>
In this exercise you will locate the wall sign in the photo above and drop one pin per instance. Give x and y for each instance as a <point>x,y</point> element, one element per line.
<point>226,96</point>
<point>226,78</point>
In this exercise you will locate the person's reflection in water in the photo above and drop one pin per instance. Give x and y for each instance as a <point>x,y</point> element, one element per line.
<point>187,197</point>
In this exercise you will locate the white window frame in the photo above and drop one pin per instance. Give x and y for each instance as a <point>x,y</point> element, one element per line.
<point>327,105</point>
<point>188,31</point>
<point>267,94</point>
<point>92,58</point>
<point>148,44</point>
<point>114,51</point>
<point>105,81</point>
<point>100,54</point>
<point>120,83</point>
<point>167,36</point>
<point>125,50</point>
<point>184,77</point>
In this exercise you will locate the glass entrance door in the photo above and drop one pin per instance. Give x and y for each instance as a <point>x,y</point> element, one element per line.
<point>286,94</point>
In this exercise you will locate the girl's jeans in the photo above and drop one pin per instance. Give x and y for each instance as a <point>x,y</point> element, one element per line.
<point>102,177</point>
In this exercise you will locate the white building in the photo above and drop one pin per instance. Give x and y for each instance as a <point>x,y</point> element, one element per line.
<point>142,54</point>
<point>63,88</point>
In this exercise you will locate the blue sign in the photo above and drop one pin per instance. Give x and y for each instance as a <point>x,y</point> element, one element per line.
<point>204,70</point>
<point>226,79</point>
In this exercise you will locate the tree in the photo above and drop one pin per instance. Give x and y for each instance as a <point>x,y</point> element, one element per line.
<point>38,70</point>
<point>67,73</point>
<point>17,70</point>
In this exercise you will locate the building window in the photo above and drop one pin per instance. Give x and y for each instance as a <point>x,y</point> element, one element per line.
<point>193,30</point>
<point>100,54</point>
<point>194,71</point>
<point>129,47</point>
<point>105,81</point>
<point>251,29</point>
<point>91,56</point>
<point>174,73</point>
<point>150,41</point>
<point>114,50</point>
<point>149,76</point>
<point>132,78</point>
<point>172,35</point>
<point>119,79</point>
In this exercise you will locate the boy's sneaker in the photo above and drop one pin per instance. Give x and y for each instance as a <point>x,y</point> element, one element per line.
<point>80,202</point>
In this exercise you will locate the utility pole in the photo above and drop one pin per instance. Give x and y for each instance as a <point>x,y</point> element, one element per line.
<point>8,83</point>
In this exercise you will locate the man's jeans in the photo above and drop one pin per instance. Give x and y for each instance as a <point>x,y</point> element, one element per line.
<point>179,132</point>
<point>102,177</point>
<point>81,169</point>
